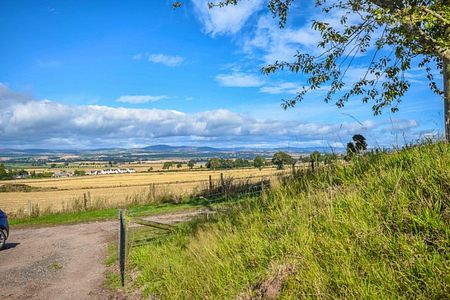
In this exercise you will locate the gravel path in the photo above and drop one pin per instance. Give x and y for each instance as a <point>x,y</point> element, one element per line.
<point>62,262</point>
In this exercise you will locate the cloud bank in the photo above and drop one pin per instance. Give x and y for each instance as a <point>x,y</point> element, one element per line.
<point>27,122</point>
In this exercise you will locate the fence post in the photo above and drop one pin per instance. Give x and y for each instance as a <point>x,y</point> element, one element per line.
<point>210,185</point>
<point>30,208</point>
<point>153,192</point>
<point>84,201</point>
<point>89,198</point>
<point>222,182</point>
<point>122,245</point>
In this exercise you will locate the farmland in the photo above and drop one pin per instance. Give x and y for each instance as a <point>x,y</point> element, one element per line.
<point>57,194</point>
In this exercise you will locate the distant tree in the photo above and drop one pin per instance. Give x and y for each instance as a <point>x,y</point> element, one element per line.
<point>4,173</point>
<point>150,169</point>
<point>360,143</point>
<point>358,147</point>
<point>280,159</point>
<point>213,163</point>
<point>191,164</point>
<point>259,162</point>
<point>167,165</point>
<point>79,172</point>
<point>179,165</point>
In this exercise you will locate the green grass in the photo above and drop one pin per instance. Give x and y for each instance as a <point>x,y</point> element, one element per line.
<point>378,228</point>
<point>98,214</point>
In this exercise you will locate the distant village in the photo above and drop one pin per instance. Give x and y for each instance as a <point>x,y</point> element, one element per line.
<point>94,172</point>
<point>110,171</point>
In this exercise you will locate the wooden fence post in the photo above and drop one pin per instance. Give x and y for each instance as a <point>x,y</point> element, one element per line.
<point>30,208</point>
<point>153,192</point>
<point>89,198</point>
<point>84,201</point>
<point>122,245</point>
<point>210,184</point>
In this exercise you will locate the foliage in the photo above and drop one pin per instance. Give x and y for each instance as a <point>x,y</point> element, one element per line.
<point>219,163</point>
<point>259,162</point>
<point>399,31</point>
<point>358,147</point>
<point>167,165</point>
<point>191,164</point>
<point>8,174</point>
<point>377,228</point>
<point>79,172</point>
<point>280,159</point>
<point>34,175</point>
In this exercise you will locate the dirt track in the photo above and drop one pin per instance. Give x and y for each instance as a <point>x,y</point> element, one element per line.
<point>62,262</point>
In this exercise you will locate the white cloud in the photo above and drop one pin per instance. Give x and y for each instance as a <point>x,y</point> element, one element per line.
<point>238,79</point>
<point>281,88</point>
<point>137,99</point>
<point>28,122</point>
<point>225,20</point>
<point>158,58</point>
<point>274,44</point>
<point>168,60</point>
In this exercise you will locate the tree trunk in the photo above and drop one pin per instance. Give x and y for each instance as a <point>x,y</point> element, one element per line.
<point>446,71</point>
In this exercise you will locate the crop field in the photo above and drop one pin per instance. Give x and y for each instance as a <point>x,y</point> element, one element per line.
<point>68,193</point>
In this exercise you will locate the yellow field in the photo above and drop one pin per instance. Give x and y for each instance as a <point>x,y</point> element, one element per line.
<point>62,193</point>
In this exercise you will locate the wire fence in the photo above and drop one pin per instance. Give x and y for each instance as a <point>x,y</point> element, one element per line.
<point>224,189</point>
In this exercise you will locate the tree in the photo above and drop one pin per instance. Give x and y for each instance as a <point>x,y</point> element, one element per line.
<point>167,165</point>
<point>398,35</point>
<point>358,147</point>
<point>360,143</point>
<point>191,164</point>
<point>280,159</point>
<point>79,172</point>
<point>259,162</point>
<point>179,165</point>
<point>213,163</point>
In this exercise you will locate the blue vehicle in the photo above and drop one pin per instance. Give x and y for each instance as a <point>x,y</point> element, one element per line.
<point>4,229</point>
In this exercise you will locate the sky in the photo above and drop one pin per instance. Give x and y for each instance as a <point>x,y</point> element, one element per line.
<point>80,74</point>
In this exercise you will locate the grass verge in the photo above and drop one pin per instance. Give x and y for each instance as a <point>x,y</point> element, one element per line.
<point>98,214</point>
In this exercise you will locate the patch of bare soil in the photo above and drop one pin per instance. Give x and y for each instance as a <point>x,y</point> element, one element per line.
<point>270,287</point>
<point>63,262</point>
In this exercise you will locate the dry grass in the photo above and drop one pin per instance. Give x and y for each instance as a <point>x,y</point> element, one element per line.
<point>59,194</point>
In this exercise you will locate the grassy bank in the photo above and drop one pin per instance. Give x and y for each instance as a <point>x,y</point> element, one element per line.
<point>378,228</point>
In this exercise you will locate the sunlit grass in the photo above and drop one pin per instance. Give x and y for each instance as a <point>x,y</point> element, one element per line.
<point>377,228</point>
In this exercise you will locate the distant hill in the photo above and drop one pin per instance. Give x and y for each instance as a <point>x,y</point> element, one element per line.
<point>181,148</point>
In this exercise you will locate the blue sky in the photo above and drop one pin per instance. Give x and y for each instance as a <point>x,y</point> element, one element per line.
<point>90,74</point>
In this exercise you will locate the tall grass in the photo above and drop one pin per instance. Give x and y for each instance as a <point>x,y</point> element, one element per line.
<point>377,228</point>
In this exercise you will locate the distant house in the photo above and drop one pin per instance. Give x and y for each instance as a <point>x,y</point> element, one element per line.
<point>60,174</point>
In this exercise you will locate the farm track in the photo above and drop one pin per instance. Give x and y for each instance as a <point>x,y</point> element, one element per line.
<point>63,262</point>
